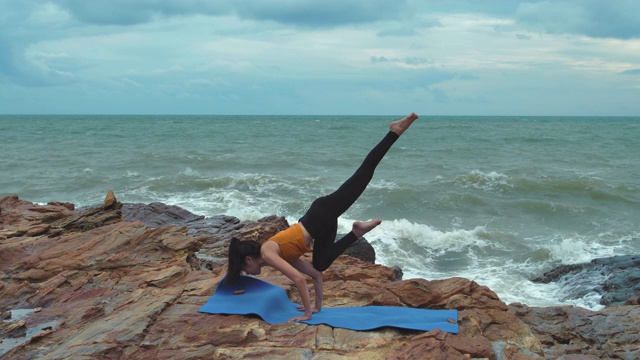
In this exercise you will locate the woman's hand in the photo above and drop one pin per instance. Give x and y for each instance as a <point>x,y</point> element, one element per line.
<point>316,275</point>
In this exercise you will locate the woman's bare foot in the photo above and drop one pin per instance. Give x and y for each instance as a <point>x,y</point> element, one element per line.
<point>362,227</point>
<point>399,126</point>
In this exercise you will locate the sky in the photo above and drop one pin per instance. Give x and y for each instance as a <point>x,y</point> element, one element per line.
<point>320,57</point>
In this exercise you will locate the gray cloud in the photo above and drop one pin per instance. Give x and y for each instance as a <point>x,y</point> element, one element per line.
<point>308,13</point>
<point>14,67</point>
<point>594,18</point>
<point>408,60</point>
<point>125,12</point>
<point>379,59</point>
<point>156,56</point>
<point>467,77</point>
<point>320,13</point>
<point>6,59</point>
<point>499,8</point>
<point>631,72</point>
<point>416,61</point>
<point>397,32</point>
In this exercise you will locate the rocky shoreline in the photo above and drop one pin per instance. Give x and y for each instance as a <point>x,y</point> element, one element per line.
<point>122,281</point>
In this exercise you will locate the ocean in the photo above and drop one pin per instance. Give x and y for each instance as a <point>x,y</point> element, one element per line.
<point>499,200</point>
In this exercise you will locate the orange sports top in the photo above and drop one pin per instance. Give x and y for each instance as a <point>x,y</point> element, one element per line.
<point>291,243</point>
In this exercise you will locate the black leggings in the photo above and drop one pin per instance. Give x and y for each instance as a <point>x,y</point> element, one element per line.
<point>321,220</point>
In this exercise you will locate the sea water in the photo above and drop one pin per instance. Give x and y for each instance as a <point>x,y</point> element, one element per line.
<point>499,200</point>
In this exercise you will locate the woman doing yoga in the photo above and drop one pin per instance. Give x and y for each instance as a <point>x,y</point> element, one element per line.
<point>319,227</point>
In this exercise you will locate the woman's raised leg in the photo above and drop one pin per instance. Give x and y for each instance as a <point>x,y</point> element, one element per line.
<point>322,217</point>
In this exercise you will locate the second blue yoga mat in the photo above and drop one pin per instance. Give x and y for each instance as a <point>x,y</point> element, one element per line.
<point>272,304</point>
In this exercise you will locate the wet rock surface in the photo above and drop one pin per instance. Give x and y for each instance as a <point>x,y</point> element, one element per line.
<point>616,279</point>
<point>122,281</point>
<point>611,333</point>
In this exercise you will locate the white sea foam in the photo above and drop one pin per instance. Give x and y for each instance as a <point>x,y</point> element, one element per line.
<point>424,252</point>
<point>232,203</point>
<point>491,181</point>
<point>389,232</point>
<point>578,249</point>
<point>189,172</point>
<point>383,185</point>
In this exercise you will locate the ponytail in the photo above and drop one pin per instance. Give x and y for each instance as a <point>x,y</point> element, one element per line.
<point>238,250</point>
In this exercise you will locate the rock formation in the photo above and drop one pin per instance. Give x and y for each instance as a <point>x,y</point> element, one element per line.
<point>123,281</point>
<point>615,278</point>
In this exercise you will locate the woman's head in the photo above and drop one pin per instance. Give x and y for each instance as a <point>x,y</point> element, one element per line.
<point>243,256</point>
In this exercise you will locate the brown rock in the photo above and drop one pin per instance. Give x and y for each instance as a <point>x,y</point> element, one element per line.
<point>167,276</point>
<point>93,312</point>
<point>34,275</point>
<point>157,214</point>
<point>20,218</point>
<point>38,230</point>
<point>67,205</point>
<point>13,329</point>
<point>431,345</point>
<point>109,201</point>
<point>110,288</point>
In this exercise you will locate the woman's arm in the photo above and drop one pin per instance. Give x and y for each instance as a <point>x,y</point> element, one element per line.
<point>271,257</point>
<point>316,275</point>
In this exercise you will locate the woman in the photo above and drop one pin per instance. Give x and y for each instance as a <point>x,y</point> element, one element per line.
<point>318,227</point>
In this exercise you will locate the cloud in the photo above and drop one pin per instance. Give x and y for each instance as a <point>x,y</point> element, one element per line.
<point>467,77</point>
<point>379,59</point>
<point>7,67</point>
<point>416,61</point>
<point>125,12</point>
<point>305,13</point>
<point>35,68</point>
<point>20,23</point>
<point>411,61</point>
<point>594,18</point>
<point>313,56</point>
<point>319,13</point>
<point>406,31</point>
<point>631,72</point>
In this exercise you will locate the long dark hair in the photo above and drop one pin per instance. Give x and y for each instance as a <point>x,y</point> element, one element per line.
<point>238,250</point>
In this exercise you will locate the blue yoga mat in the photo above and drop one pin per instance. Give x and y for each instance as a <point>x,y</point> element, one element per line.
<point>272,304</point>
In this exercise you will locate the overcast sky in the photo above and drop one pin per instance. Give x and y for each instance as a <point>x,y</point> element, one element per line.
<point>368,57</point>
